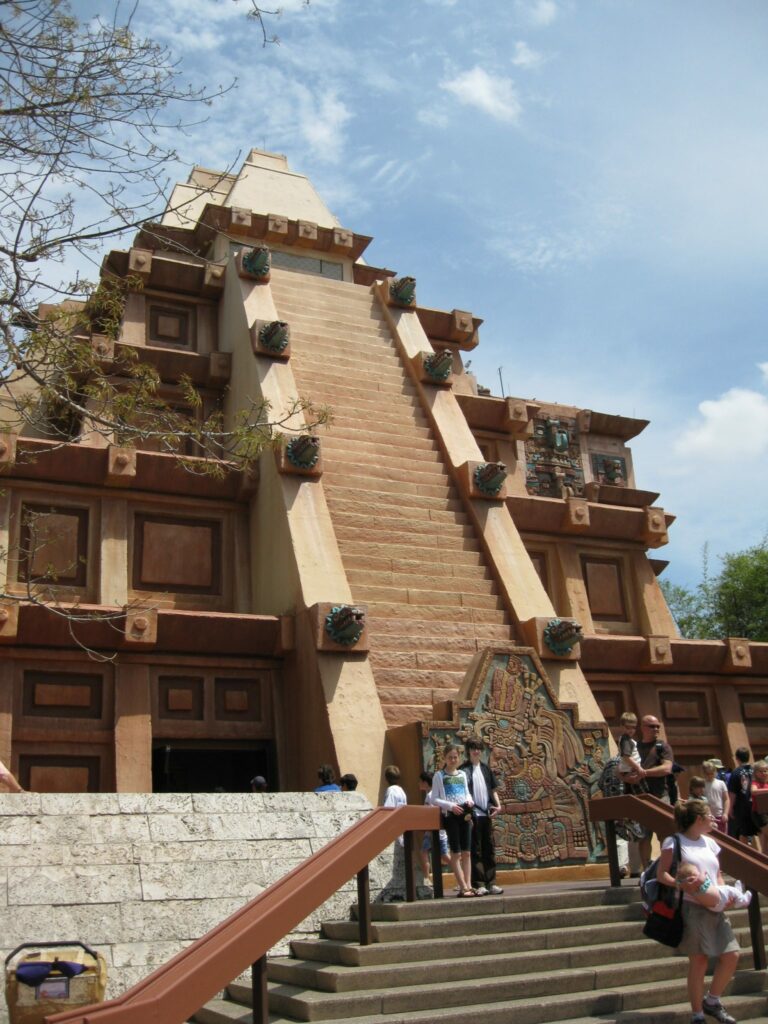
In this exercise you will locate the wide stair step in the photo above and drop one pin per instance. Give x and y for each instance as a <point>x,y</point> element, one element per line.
<point>572,956</point>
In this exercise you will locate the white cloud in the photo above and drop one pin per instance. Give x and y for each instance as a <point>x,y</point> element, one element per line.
<point>729,430</point>
<point>322,124</point>
<point>763,368</point>
<point>540,13</point>
<point>493,94</point>
<point>433,117</point>
<point>525,57</point>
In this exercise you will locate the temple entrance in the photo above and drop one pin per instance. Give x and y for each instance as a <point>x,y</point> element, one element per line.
<point>200,766</point>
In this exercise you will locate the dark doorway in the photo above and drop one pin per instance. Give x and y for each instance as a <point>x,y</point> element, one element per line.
<point>195,766</point>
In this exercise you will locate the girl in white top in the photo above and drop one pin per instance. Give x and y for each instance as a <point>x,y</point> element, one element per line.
<point>450,792</point>
<point>716,795</point>
<point>706,934</point>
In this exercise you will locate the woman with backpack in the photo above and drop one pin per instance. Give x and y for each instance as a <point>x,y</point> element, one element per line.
<point>706,934</point>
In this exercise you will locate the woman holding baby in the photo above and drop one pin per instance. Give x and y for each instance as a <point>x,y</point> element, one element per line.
<point>707,931</point>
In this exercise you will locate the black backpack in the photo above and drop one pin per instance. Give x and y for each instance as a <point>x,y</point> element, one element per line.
<point>662,904</point>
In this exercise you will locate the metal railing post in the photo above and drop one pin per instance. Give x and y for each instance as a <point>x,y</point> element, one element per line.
<point>756,933</point>
<point>364,906</point>
<point>437,866</point>
<point>259,992</point>
<point>410,874</point>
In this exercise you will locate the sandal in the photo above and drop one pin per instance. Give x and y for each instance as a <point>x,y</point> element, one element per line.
<point>466,893</point>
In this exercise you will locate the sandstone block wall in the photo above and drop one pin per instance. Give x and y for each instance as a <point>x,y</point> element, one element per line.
<point>140,876</point>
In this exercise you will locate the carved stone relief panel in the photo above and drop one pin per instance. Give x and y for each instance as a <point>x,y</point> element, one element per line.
<point>553,458</point>
<point>546,760</point>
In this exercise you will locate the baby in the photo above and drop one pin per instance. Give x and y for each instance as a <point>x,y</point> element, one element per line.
<point>706,893</point>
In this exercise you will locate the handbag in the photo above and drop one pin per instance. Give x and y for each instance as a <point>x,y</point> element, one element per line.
<point>664,923</point>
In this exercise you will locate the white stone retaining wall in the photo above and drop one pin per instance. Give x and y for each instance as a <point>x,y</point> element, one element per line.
<point>140,876</point>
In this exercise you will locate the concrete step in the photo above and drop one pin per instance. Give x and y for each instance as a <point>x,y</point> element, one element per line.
<point>437,598</point>
<point>405,714</point>
<point>472,581</point>
<point>388,512</point>
<point>411,704</point>
<point>399,457</point>
<point>375,433</point>
<point>428,644</point>
<point>423,528</point>
<point>413,627</point>
<point>437,661</point>
<point>351,500</point>
<point>330,383</point>
<point>376,487</point>
<point>411,423</point>
<point>625,1005</point>
<point>427,616</point>
<point>464,550</point>
<point>402,683</point>
<point>364,350</point>
<point>373,442</point>
<point>366,372</point>
<point>367,406</point>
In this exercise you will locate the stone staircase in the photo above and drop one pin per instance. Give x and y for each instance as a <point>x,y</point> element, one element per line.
<point>575,956</point>
<point>407,546</point>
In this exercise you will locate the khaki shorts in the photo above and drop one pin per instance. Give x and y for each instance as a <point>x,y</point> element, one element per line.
<point>706,933</point>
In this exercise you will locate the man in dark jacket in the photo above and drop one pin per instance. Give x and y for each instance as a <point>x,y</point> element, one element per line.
<point>484,790</point>
<point>656,759</point>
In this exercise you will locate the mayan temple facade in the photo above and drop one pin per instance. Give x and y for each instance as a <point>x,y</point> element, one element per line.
<point>345,602</point>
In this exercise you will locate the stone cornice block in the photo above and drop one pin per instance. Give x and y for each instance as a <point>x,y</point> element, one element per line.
<point>306,234</point>
<point>213,278</point>
<point>141,625</point>
<point>576,515</point>
<point>521,417</point>
<point>532,631</point>
<point>140,263</point>
<point>318,614</point>
<point>466,477</point>
<point>738,657</point>
<point>240,219</point>
<point>277,228</point>
<point>121,466</point>
<point>342,241</point>
<point>9,621</point>
<point>653,531</point>
<point>658,650</point>
<point>289,467</point>
<point>260,349</point>
<point>219,368</point>
<point>462,325</point>
<point>7,449</point>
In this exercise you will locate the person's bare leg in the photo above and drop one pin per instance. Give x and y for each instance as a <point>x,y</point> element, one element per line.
<point>461,881</point>
<point>466,867</point>
<point>725,970</point>
<point>697,968</point>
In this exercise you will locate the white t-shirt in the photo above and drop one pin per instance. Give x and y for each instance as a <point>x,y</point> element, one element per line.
<point>702,852</point>
<point>716,795</point>
<point>395,797</point>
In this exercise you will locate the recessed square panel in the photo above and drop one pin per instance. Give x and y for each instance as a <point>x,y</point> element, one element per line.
<point>60,773</point>
<point>685,708</point>
<point>53,545</point>
<point>172,325</point>
<point>238,700</point>
<point>177,555</point>
<point>539,562</point>
<point>181,697</point>
<point>62,694</point>
<point>603,580</point>
<point>611,703</point>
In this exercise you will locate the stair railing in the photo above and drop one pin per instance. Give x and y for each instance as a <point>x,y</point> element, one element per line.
<point>172,993</point>
<point>736,858</point>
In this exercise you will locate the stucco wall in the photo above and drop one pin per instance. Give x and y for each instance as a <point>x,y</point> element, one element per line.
<point>140,876</point>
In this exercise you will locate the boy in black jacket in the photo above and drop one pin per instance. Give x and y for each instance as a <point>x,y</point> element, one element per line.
<point>484,789</point>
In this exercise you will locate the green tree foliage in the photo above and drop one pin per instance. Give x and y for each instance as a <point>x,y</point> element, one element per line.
<point>732,603</point>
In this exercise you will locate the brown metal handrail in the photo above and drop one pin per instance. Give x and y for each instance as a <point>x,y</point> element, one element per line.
<point>736,858</point>
<point>172,993</point>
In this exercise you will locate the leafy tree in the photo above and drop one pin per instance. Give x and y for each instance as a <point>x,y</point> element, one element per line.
<point>85,112</point>
<point>732,603</point>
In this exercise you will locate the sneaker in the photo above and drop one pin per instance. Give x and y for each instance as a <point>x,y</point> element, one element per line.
<point>714,1008</point>
<point>494,890</point>
<point>481,891</point>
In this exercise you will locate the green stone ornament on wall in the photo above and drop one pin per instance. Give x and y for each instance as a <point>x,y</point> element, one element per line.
<point>562,636</point>
<point>344,624</point>
<point>257,261</point>
<point>402,291</point>
<point>489,477</point>
<point>303,452</point>
<point>275,336</point>
<point>439,365</point>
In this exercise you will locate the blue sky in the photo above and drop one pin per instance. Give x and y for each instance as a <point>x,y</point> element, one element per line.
<point>589,176</point>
